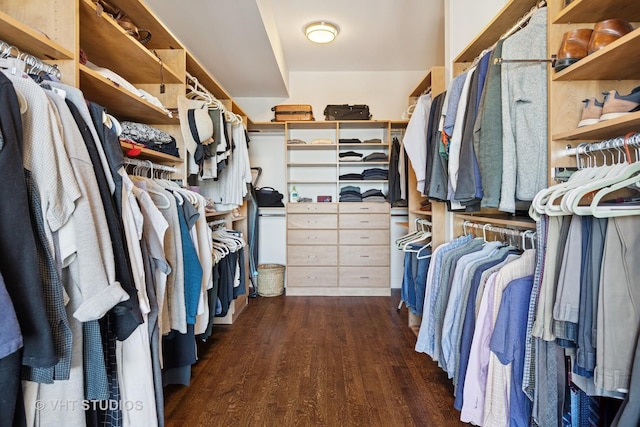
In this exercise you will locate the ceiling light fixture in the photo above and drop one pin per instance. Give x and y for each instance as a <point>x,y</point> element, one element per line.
<point>321,31</point>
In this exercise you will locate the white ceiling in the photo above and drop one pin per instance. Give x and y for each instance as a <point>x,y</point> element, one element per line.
<point>250,46</point>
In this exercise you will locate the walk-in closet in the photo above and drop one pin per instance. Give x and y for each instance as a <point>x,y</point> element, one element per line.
<point>283,213</point>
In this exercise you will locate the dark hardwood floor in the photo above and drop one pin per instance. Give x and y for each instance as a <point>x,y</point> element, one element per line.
<point>314,361</point>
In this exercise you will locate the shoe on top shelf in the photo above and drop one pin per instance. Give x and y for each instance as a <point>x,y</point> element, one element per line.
<point>616,105</point>
<point>606,32</point>
<point>591,112</point>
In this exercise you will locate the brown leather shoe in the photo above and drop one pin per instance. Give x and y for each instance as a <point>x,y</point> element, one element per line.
<point>606,32</point>
<point>573,48</point>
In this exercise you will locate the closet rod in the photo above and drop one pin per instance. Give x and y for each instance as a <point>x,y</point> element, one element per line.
<point>503,60</point>
<point>495,229</point>
<point>32,64</point>
<point>617,143</point>
<point>150,165</point>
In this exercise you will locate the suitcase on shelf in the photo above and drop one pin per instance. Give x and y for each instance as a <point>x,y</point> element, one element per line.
<point>347,112</point>
<point>292,113</point>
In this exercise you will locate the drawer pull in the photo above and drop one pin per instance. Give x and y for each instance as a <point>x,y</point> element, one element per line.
<point>312,237</point>
<point>311,222</point>
<point>364,277</point>
<point>312,256</point>
<point>364,222</point>
<point>364,209</point>
<point>364,256</point>
<point>364,237</point>
<point>311,277</point>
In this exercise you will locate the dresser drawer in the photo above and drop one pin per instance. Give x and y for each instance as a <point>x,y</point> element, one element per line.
<point>376,220</point>
<point>312,276</point>
<point>367,277</point>
<point>364,207</point>
<point>364,237</point>
<point>312,255</point>
<point>312,237</point>
<point>312,207</point>
<point>304,221</point>
<point>365,255</point>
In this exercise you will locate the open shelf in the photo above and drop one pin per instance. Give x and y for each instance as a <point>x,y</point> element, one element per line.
<point>310,146</point>
<point>605,129</point>
<point>501,23</point>
<point>584,11</point>
<point>108,45</point>
<point>317,164</point>
<point>147,154</point>
<point>362,163</point>
<point>29,40</point>
<point>362,144</point>
<point>419,212</point>
<point>266,127</point>
<point>362,124</point>
<point>312,182</point>
<point>617,61</point>
<point>361,181</point>
<point>311,125</point>
<point>122,104</point>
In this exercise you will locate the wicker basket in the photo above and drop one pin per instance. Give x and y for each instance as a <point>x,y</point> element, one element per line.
<point>270,280</point>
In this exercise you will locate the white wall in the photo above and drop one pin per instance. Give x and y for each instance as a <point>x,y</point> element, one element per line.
<point>464,19</point>
<point>385,92</point>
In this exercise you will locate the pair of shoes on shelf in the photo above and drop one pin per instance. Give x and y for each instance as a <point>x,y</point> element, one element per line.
<point>613,106</point>
<point>577,44</point>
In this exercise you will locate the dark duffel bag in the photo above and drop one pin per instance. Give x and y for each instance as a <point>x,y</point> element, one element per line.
<point>347,112</point>
<point>269,198</point>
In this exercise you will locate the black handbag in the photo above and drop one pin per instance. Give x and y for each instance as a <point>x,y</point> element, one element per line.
<point>269,197</point>
<point>347,112</point>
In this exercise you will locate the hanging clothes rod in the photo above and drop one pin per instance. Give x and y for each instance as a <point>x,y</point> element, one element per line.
<point>149,165</point>
<point>495,229</point>
<point>503,60</point>
<point>32,65</point>
<point>617,143</point>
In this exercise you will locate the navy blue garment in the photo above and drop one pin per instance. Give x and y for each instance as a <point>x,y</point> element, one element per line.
<point>415,277</point>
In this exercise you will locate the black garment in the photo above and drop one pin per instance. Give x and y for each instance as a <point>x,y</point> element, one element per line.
<point>466,188</point>
<point>351,177</point>
<point>395,194</point>
<point>112,151</point>
<point>437,170</point>
<point>349,141</point>
<point>126,314</point>
<point>19,259</point>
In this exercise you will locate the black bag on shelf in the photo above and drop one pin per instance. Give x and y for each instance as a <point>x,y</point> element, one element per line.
<point>269,197</point>
<point>347,112</point>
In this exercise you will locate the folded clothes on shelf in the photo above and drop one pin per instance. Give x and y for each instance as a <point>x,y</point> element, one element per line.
<point>349,141</point>
<point>351,177</point>
<point>350,156</point>
<point>376,157</point>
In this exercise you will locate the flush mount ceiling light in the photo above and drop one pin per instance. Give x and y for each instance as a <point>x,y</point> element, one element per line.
<point>321,31</point>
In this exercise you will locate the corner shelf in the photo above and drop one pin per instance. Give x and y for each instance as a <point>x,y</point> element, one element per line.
<point>121,103</point>
<point>108,45</point>
<point>29,40</point>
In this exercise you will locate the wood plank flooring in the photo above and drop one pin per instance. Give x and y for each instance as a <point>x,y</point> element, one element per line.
<point>314,361</point>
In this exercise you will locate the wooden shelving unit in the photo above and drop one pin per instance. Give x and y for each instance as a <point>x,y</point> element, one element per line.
<point>602,130</point>
<point>108,45</point>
